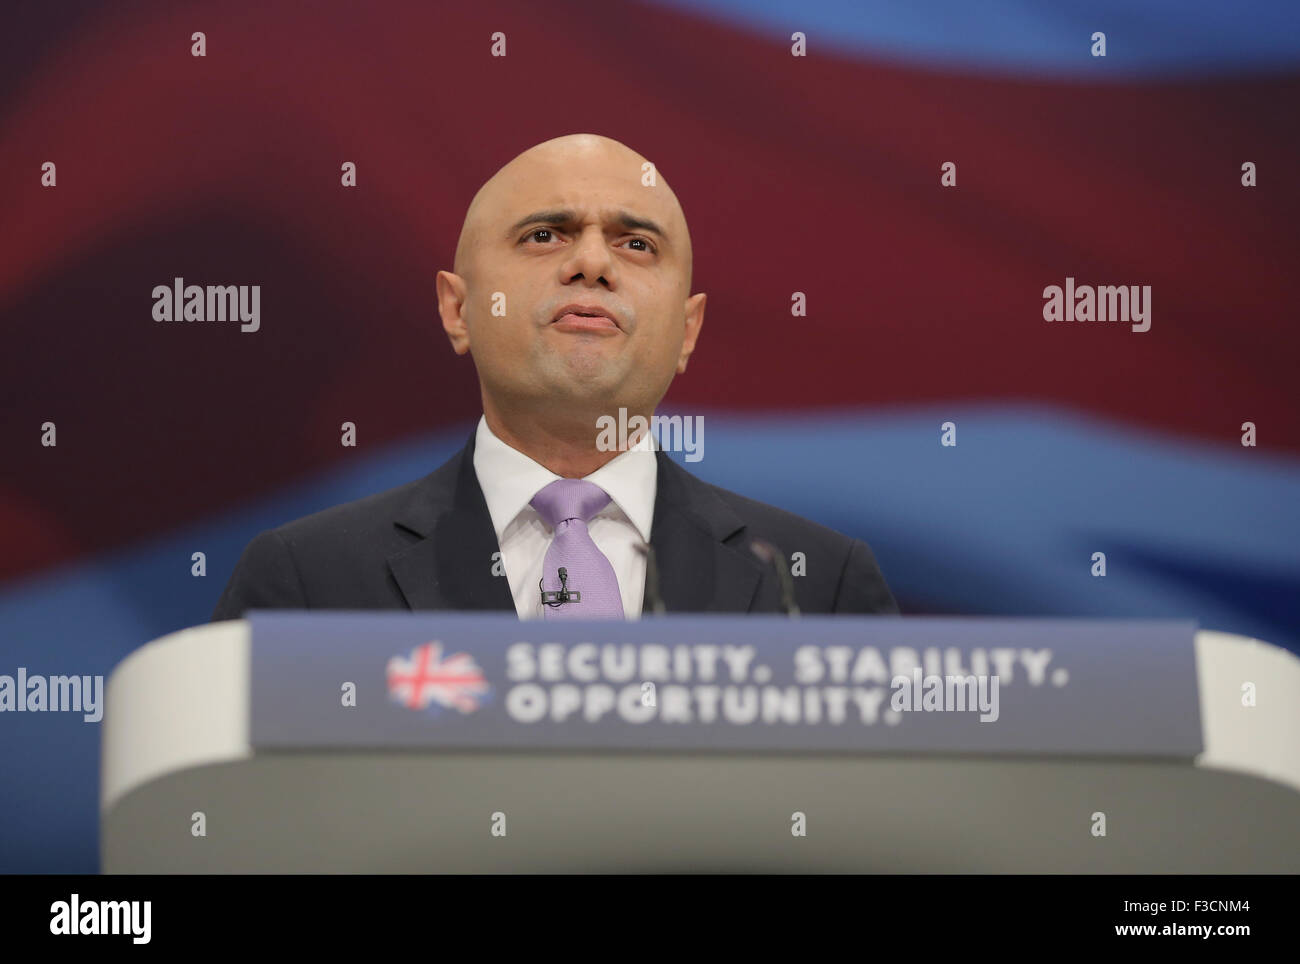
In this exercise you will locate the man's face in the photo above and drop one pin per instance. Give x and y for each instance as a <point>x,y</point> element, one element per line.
<point>575,227</point>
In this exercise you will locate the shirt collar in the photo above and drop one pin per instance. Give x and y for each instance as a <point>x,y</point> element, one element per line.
<point>509,480</point>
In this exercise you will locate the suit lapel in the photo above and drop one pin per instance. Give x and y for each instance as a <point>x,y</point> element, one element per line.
<point>702,564</point>
<point>451,567</point>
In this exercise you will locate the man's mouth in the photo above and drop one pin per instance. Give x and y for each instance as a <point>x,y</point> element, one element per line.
<point>585,318</point>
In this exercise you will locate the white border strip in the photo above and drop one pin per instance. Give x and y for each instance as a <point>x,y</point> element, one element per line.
<point>178,702</point>
<point>1261,740</point>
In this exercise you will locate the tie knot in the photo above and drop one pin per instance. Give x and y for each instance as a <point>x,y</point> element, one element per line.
<point>566,499</point>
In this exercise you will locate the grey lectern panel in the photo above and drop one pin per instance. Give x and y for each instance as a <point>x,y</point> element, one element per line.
<point>629,813</point>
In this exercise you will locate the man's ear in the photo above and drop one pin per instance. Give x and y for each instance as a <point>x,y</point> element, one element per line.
<point>452,292</point>
<point>694,321</point>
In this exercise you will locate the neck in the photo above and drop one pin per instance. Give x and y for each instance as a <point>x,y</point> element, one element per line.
<point>565,446</point>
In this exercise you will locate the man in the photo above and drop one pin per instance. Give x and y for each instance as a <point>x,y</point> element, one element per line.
<point>571,292</point>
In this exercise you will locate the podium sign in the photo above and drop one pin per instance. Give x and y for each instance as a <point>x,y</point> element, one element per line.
<point>352,680</point>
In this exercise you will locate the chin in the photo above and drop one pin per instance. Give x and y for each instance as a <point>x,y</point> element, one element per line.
<point>587,372</point>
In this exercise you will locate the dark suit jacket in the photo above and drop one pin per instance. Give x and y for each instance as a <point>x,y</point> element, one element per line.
<point>428,544</point>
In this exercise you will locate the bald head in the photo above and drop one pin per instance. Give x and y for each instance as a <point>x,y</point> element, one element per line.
<point>572,290</point>
<point>542,165</point>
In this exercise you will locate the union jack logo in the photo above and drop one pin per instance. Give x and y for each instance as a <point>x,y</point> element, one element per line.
<point>425,677</point>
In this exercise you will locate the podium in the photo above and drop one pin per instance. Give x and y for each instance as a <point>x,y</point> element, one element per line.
<point>342,742</point>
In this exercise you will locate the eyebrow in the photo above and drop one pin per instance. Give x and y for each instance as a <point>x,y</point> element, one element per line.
<point>564,216</point>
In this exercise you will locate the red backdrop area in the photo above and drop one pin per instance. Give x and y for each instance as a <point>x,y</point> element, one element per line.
<point>818,175</point>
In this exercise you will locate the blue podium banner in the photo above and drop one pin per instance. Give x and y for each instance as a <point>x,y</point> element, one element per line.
<point>878,684</point>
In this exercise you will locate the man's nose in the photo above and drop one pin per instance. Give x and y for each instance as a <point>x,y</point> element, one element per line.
<point>590,258</point>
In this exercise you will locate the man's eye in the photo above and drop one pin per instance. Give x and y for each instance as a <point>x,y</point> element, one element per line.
<point>545,235</point>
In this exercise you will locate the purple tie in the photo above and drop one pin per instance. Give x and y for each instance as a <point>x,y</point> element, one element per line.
<point>567,505</point>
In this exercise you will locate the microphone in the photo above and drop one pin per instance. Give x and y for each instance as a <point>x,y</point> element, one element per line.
<point>558,597</point>
<point>656,601</point>
<point>775,558</point>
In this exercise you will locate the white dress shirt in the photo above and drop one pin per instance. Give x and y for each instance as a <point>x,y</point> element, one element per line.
<point>509,480</point>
